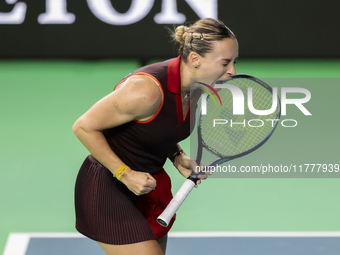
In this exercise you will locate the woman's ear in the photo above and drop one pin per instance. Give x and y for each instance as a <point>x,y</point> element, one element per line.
<point>194,59</point>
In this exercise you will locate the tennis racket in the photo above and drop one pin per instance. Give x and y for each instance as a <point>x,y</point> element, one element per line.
<point>221,137</point>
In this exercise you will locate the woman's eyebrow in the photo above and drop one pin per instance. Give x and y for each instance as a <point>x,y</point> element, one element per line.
<point>229,59</point>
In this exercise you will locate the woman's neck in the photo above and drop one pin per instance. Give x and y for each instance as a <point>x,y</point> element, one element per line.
<point>186,74</point>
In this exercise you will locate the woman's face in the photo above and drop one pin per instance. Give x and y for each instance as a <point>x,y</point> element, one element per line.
<point>220,62</point>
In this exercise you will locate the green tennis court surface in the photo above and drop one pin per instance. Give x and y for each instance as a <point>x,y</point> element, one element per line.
<point>40,156</point>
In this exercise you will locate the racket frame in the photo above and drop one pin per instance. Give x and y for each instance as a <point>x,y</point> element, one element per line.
<point>201,143</point>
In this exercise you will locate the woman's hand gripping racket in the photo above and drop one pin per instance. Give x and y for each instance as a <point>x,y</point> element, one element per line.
<point>219,136</point>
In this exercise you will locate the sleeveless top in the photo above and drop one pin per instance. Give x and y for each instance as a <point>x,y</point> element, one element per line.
<point>144,146</point>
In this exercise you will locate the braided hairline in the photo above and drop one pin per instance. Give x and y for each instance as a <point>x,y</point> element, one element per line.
<point>195,35</point>
<point>189,39</point>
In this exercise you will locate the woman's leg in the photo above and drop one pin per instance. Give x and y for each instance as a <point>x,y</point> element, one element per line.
<point>150,247</point>
<point>162,243</point>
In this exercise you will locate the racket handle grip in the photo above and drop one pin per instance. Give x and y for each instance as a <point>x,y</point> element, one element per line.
<point>175,203</point>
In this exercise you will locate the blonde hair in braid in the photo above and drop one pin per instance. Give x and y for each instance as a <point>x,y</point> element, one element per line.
<point>200,35</point>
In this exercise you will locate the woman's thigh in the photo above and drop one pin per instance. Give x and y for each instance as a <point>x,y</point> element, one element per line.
<point>150,247</point>
<point>162,243</point>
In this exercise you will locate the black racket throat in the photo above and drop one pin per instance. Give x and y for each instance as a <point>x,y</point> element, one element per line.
<point>194,178</point>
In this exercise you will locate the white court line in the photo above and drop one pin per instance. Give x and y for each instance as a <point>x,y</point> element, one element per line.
<point>17,243</point>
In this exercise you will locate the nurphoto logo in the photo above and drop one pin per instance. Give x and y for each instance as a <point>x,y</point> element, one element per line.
<point>238,105</point>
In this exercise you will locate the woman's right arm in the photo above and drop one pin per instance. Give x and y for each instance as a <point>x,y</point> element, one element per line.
<point>137,98</point>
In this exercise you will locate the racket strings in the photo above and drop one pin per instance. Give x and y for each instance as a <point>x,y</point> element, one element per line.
<point>234,135</point>
<point>239,133</point>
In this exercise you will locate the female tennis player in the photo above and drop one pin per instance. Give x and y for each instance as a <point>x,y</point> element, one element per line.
<point>122,187</point>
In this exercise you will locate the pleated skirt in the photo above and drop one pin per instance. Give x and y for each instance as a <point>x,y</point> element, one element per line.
<point>108,212</point>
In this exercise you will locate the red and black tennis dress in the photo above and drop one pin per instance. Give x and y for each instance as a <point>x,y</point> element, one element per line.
<point>106,210</point>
